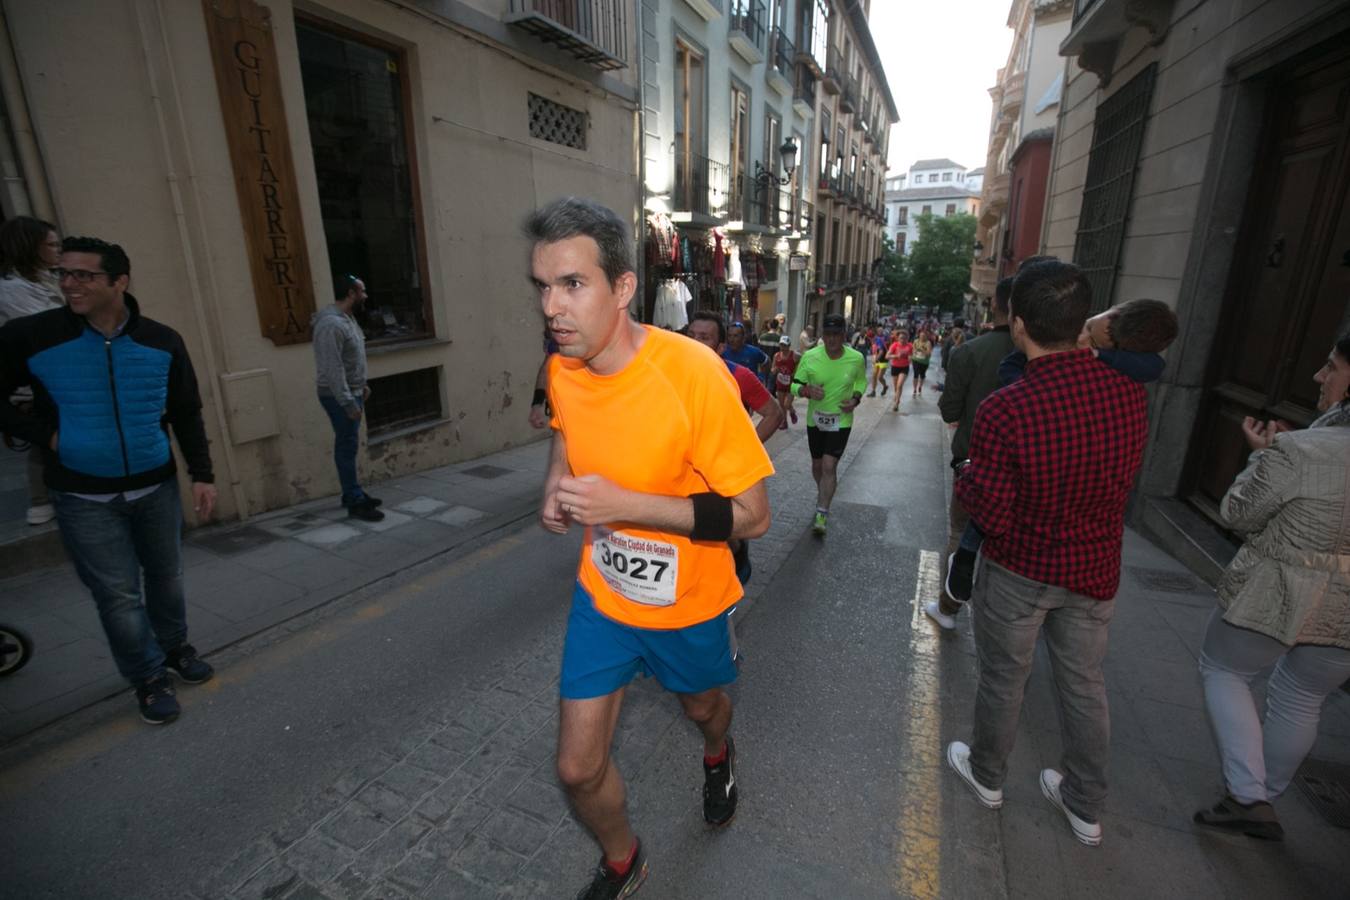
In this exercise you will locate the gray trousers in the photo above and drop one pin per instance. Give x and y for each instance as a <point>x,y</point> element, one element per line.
<point>1259,763</point>
<point>1009,613</point>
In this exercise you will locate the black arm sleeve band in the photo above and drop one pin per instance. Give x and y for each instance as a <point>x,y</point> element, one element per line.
<point>712,517</point>
<point>539,396</point>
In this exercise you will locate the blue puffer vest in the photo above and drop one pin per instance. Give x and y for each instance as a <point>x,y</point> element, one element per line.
<point>109,404</point>
<point>111,395</point>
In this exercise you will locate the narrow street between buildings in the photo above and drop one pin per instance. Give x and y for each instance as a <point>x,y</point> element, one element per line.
<point>398,741</point>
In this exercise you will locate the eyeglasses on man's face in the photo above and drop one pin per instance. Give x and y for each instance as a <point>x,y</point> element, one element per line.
<point>83,276</point>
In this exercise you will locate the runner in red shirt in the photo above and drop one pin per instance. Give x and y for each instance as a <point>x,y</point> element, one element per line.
<point>784,365</point>
<point>898,354</point>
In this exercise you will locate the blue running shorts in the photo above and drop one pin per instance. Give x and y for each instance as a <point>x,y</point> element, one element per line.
<point>601,655</point>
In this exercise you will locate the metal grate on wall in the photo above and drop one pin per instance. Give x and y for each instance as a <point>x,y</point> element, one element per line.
<point>404,399</point>
<point>1114,158</point>
<point>558,124</point>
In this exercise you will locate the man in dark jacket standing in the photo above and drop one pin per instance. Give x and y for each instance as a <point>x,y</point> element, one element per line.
<point>106,381</point>
<point>972,375</point>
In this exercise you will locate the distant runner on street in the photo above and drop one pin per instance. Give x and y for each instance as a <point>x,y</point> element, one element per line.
<point>832,377</point>
<point>654,455</point>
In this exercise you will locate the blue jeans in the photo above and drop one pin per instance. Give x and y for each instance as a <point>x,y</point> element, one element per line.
<point>346,439</point>
<point>118,546</point>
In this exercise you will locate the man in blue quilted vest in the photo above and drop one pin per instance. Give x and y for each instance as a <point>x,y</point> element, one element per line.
<point>108,385</point>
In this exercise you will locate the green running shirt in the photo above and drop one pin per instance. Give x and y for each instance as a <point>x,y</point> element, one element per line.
<point>841,378</point>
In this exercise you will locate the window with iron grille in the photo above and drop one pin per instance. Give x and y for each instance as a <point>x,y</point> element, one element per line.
<point>405,399</point>
<point>557,124</point>
<point>1116,138</point>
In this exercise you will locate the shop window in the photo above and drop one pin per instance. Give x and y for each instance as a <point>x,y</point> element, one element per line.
<point>770,263</point>
<point>355,100</point>
<point>403,400</point>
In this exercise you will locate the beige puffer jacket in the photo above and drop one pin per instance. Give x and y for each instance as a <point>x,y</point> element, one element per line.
<point>1291,579</point>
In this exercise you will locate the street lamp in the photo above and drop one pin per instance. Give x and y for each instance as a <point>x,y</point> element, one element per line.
<point>764,177</point>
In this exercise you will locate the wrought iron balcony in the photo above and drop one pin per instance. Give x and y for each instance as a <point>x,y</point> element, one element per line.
<point>700,186</point>
<point>594,31</point>
<point>834,72</point>
<point>848,95</point>
<point>747,32</point>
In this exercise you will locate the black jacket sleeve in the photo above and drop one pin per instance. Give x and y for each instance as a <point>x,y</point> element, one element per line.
<point>15,348</point>
<point>184,414</point>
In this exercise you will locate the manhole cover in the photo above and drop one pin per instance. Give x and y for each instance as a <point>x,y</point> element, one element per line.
<point>487,471</point>
<point>1327,787</point>
<point>1164,580</point>
<point>228,543</point>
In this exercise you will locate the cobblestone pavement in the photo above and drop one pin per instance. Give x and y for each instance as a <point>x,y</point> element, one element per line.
<point>468,806</point>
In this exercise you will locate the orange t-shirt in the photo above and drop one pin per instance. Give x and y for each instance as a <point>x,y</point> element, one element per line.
<point>670,423</point>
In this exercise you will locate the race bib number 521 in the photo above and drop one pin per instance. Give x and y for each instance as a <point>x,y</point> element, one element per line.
<point>639,569</point>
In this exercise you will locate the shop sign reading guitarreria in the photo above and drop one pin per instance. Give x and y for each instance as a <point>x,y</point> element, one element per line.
<point>247,79</point>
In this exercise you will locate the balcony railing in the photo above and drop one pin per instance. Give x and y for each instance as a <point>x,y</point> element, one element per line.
<point>806,214</point>
<point>834,72</point>
<point>806,87</point>
<point>594,31</point>
<point>700,185</point>
<point>747,22</point>
<point>784,54</point>
<point>750,206</point>
<point>848,95</point>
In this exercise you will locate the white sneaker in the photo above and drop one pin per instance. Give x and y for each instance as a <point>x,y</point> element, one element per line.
<point>958,757</point>
<point>1089,833</point>
<point>934,612</point>
<point>41,514</point>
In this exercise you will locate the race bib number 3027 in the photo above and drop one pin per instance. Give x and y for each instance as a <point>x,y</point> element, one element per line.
<point>642,570</point>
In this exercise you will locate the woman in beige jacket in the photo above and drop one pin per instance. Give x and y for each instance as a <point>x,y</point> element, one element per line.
<point>1285,599</point>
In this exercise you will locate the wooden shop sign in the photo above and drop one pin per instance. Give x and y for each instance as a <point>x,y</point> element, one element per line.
<point>249,83</point>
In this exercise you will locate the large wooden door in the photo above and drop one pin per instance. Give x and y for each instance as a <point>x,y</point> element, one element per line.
<point>1289,288</point>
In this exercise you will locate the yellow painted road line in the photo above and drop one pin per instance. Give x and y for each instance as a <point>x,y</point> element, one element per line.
<point>919,851</point>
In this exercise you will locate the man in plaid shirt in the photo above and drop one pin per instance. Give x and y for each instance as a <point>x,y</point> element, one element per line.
<point>1053,459</point>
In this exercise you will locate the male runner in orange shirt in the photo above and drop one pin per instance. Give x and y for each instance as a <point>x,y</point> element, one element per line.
<point>653,453</point>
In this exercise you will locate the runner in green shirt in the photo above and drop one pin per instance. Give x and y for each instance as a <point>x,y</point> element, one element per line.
<point>832,377</point>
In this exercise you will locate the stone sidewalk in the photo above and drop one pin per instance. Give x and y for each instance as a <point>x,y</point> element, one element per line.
<point>244,578</point>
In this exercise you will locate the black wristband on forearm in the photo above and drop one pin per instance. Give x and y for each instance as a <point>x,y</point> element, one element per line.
<point>540,395</point>
<point>712,517</point>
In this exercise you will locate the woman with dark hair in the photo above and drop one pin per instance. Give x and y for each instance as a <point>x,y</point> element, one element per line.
<point>29,251</point>
<point>1285,599</point>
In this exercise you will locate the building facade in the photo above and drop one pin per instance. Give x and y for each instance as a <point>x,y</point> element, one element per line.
<point>939,187</point>
<point>1202,158</point>
<point>246,154</point>
<point>1021,129</point>
<point>855,112</point>
<point>726,156</point>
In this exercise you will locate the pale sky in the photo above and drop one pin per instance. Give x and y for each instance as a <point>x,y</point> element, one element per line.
<point>941,59</point>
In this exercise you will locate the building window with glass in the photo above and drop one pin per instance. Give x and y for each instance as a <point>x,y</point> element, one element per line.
<point>692,172</point>
<point>902,216</point>
<point>951,209</point>
<point>927,210</point>
<point>355,90</point>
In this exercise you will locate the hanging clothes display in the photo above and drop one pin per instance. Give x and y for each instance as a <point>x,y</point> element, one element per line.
<point>672,304</point>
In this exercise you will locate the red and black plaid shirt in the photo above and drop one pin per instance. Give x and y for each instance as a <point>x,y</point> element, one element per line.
<point>1052,461</point>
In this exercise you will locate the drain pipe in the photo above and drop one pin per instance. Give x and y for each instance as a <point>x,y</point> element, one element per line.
<point>208,323</point>
<point>641,143</point>
<point>30,159</point>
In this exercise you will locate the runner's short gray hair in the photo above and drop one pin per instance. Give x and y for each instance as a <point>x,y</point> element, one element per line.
<point>574,217</point>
